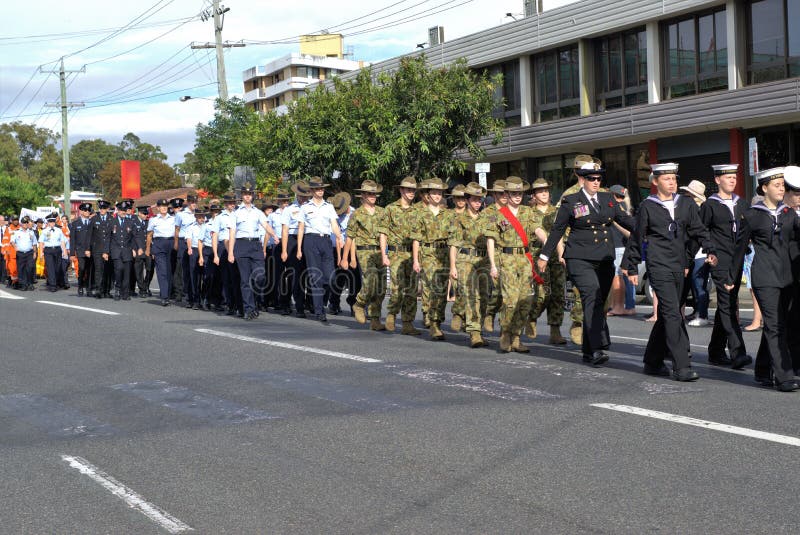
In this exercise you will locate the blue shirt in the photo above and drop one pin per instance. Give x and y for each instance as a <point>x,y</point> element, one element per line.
<point>162,226</point>
<point>52,237</point>
<point>206,233</point>
<point>248,221</point>
<point>344,220</point>
<point>222,223</point>
<point>275,220</point>
<point>291,217</point>
<point>24,240</point>
<point>317,219</point>
<point>183,220</point>
<point>194,233</point>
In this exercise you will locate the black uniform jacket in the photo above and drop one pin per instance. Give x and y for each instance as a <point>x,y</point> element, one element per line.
<point>122,239</point>
<point>794,253</point>
<point>80,237</point>
<point>590,229</point>
<point>723,227</point>
<point>140,233</point>
<point>666,238</point>
<point>101,231</point>
<point>771,234</point>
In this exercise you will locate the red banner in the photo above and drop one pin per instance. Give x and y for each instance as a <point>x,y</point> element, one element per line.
<point>129,171</point>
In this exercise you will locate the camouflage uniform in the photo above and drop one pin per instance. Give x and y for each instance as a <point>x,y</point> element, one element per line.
<point>431,231</point>
<point>576,313</point>
<point>363,230</point>
<point>494,303</point>
<point>397,225</point>
<point>549,296</point>
<point>514,269</point>
<point>472,266</point>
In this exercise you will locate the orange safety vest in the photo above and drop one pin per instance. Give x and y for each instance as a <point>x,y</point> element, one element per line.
<point>9,252</point>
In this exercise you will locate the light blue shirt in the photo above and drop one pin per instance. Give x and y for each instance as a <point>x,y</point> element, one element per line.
<point>290,218</point>
<point>317,219</point>
<point>183,220</point>
<point>248,221</point>
<point>275,220</point>
<point>162,226</point>
<point>223,222</point>
<point>344,220</point>
<point>194,233</point>
<point>24,240</point>
<point>207,232</point>
<point>52,237</point>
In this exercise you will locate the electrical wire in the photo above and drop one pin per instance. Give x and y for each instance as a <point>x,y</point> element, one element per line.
<point>142,78</point>
<point>141,45</point>
<point>47,38</point>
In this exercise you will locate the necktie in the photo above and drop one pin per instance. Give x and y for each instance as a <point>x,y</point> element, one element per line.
<point>595,205</point>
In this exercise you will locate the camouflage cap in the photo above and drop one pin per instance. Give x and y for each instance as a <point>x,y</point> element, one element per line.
<point>581,159</point>
<point>433,183</point>
<point>369,186</point>
<point>408,182</point>
<point>340,202</point>
<point>540,183</point>
<point>516,184</point>
<point>473,189</point>
<point>499,186</point>
<point>457,191</point>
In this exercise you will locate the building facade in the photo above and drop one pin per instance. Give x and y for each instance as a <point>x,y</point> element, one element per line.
<point>697,82</point>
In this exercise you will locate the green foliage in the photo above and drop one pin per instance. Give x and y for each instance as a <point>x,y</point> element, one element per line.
<point>17,193</point>
<point>87,158</point>
<point>154,175</point>
<point>134,148</point>
<point>37,158</point>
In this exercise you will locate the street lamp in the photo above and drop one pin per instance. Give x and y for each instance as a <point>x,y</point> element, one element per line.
<point>184,98</point>
<point>421,45</point>
<point>512,16</point>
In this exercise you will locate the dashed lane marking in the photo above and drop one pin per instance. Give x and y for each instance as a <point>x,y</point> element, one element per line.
<point>96,310</point>
<point>5,295</point>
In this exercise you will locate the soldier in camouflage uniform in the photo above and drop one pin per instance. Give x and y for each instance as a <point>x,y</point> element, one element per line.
<point>549,296</point>
<point>424,293</point>
<point>469,264</point>
<point>510,266</point>
<point>395,228</point>
<point>459,207</point>
<point>430,252</point>
<point>364,249</point>
<point>495,301</point>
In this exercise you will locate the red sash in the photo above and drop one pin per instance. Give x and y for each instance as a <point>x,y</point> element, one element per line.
<point>524,237</point>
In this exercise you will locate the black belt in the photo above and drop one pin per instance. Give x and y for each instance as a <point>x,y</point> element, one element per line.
<point>163,238</point>
<point>53,247</point>
<point>472,252</point>
<point>368,247</point>
<point>399,248</point>
<point>318,235</point>
<point>513,250</point>
<point>435,244</point>
<point>248,239</point>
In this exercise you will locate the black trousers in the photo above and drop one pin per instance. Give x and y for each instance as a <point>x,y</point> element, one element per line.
<point>143,269</point>
<point>122,277</point>
<point>231,285</point>
<point>195,275</point>
<point>162,255</point>
<point>593,279</point>
<point>292,284</point>
<point>344,278</point>
<point>84,274</point>
<point>53,266</point>
<point>177,290</point>
<point>669,338</point>
<point>210,286</point>
<point>250,260</point>
<point>727,331</point>
<point>26,268</point>
<point>98,270</point>
<point>773,353</point>
<point>794,330</point>
<point>318,252</point>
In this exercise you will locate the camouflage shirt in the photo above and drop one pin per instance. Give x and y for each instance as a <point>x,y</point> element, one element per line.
<point>498,227</point>
<point>363,227</point>
<point>397,224</point>
<point>543,220</point>
<point>430,227</point>
<point>468,232</point>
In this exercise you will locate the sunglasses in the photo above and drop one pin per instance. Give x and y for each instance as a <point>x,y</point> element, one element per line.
<point>593,178</point>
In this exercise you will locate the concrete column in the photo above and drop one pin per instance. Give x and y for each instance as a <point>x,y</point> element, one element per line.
<point>525,90</point>
<point>737,51</point>
<point>653,63</point>
<point>586,76</point>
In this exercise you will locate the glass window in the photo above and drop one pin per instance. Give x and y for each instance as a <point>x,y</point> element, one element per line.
<point>773,47</point>
<point>556,84</point>
<point>622,80</point>
<point>508,93</point>
<point>695,56</point>
<point>552,169</point>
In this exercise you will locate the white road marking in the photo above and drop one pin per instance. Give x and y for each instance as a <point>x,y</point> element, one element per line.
<point>99,311</point>
<point>6,295</point>
<point>705,424</point>
<point>645,340</point>
<point>284,345</point>
<point>558,370</point>
<point>134,501</point>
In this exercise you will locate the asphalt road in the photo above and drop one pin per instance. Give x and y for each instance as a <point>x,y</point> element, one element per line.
<point>165,419</point>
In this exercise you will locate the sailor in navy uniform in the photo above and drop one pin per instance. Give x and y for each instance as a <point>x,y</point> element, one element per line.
<point>160,238</point>
<point>771,227</point>
<point>589,253</point>
<point>722,214</point>
<point>121,246</point>
<point>80,244</point>
<point>791,178</point>
<point>101,229</point>
<point>666,221</point>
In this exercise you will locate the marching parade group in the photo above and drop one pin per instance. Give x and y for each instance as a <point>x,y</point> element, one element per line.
<point>505,260</point>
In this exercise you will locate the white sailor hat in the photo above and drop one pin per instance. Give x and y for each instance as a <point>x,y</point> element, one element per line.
<point>791,177</point>
<point>664,168</point>
<point>763,177</point>
<point>589,169</point>
<point>725,169</point>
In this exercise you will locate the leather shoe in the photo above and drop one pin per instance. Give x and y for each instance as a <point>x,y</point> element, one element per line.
<point>660,371</point>
<point>80,292</point>
<point>300,314</point>
<point>165,302</point>
<point>741,361</point>
<point>596,359</point>
<point>685,374</point>
<point>764,380</point>
<point>322,318</point>
<point>719,360</point>
<point>787,386</point>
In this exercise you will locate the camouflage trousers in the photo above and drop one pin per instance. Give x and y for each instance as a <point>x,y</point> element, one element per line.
<point>550,295</point>
<point>576,314</point>
<point>494,303</point>
<point>435,275</point>
<point>373,282</point>
<point>404,286</point>
<point>515,286</point>
<point>460,304</point>
<point>473,287</point>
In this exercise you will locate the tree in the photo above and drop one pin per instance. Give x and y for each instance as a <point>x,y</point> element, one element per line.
<point>19,193</point>
<point>48,171</point>
<point>134,148</point>
<point>87,158</point>
<point>36,152</point>
<point>10,161</point>
<point>154,175</point>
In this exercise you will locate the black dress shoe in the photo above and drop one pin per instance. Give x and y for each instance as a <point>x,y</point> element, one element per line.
<point>98,295</point>
<point>80,292</point>
<point>249,316</point>
<point>230,312</point>
<point>685,374</point>
<point>126,298</point>
<point>764,380</point>
<point>660,371</point>
<point>741,361</point>
<point>149,293</point>
<point>165,302</point>
<point>787,386</point>
<point>334,311</point>
<point>300,314</point>
<point>719,360</point>
<point>286,311</point>
<point>597,359</point>
<point>322,318</point>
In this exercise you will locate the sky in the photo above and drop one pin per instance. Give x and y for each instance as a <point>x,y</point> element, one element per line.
<point>138,60</point>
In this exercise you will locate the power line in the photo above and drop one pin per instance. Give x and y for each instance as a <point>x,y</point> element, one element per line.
<point>46,38</point>
<point>36,70</point>
<point>141,78</point>
<point>143,44</point>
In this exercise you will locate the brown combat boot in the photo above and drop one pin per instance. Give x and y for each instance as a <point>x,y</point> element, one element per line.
<point>555,336</point>
<point>359,314</point>
<point>426,321</point>
<point>376,325</point>
<point>476,340</point>
<point>457,323</point>
<point>408,328</point>
<point>518,346</point>
<point>488,324</point>
<point>436,332</point>
<point>390,322</point>
<point>530,330</point>
<point>505,342</point>
<point>576,333</point>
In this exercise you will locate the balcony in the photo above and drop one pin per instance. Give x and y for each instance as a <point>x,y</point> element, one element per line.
<point>253,72</point>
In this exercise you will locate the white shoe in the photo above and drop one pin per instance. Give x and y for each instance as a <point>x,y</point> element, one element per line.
<point>699,322</point>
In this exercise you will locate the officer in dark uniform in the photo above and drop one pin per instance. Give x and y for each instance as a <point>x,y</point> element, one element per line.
<point>101,230</point>
<point>667,222</point>
<point>722,214</point>
<point>80,244</point>
<point>121,245</point>
<point>589,253</point>
<point>142,263</point>
<point>791,178</point>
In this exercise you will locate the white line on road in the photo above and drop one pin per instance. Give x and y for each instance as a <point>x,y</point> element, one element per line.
<point>284,345</point>
<point>705,424</point>
<point>6,295</point>
<point>99,311</point>
<point>160,517</point>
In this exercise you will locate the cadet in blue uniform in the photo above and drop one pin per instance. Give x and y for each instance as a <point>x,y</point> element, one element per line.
<point>222,246</point>
<point>210,285</point>
<point>80,245</point>
<point>195,267</point>
<point>160,239</point>
<point>666,221</point>
<point>24,241</point>
<point>53,245</point>
<point>275,219</point>
<point>177,290</point>
<point>292,285</point>
<point>101,228</point>
<point>121,246</point>
<point>184,220</point>
<point>349,276</point>
<point>589,254</point>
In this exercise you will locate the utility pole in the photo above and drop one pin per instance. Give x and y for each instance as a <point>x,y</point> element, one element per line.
<point>64,139</point>
<point>219,21</point>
